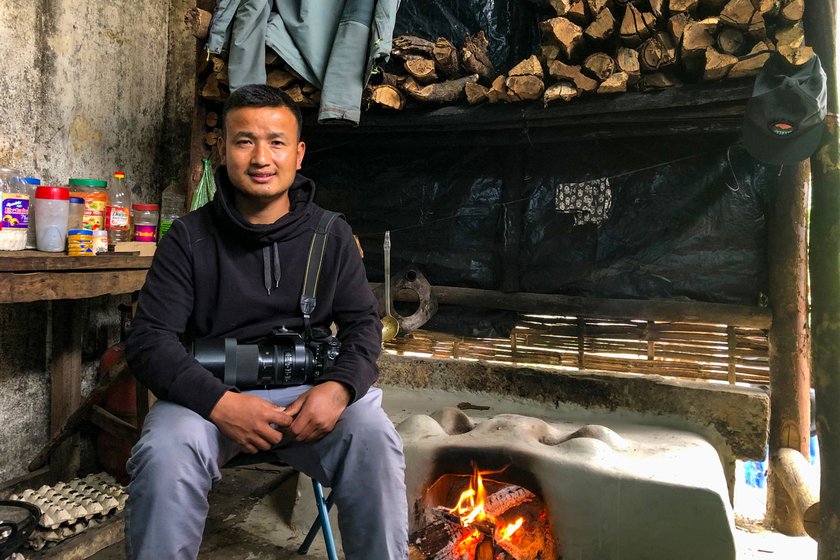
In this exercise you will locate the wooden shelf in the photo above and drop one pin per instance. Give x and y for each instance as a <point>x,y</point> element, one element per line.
<point>37,261</point>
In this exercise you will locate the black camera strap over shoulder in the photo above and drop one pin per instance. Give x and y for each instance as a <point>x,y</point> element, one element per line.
<point>313,268</point>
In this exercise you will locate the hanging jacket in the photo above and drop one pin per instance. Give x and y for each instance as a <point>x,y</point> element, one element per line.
<point>215,275</point>
<point>335,45</point>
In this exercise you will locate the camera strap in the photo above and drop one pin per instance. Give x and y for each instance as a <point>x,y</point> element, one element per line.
<point>313,268</point>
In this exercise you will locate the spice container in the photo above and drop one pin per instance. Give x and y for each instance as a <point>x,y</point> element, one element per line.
<point>14,210</point>
<point>96,200</point>
<point>77,213</point>
<point>52,208</point>
<point>79,243</point>
<point>100,241</point>
<point>31,184</point>
<point>145,218</point>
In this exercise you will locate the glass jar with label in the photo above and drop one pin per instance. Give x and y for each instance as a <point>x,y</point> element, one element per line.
<point>96,200</point>
<point>145,220</point>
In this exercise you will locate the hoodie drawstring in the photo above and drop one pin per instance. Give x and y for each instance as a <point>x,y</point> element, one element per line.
<point>268,269</point>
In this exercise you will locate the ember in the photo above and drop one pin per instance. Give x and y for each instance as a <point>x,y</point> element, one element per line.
<point>489,519</point>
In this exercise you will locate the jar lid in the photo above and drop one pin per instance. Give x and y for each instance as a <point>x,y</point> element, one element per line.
<point>77,200</point>
<point>76,182</point>
<point>152,207</point>
<point>52,193</point>
<point>32,181</point>
<point>100,232</point>
<point>80,232</point>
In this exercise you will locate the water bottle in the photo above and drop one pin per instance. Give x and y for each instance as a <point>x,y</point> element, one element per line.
<point>172,206</point>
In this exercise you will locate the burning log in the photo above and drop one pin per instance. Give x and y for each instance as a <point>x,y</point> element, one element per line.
<point>562,71</point>
<point>484,550</point>
<point>476,93</point>
<point>717,64</point>
<point>423,70</point>
<point>602,28</point>
<point>567,35</point>
<point>409,47</point>
<point>387,96</point>
<point>636,26</point>
<point>443,92</point>
<point>561,90</point>
<point>437,539</point>
<point>508,497</point>
<point>446,58</point>
<point>474,56</point>
<point>599,65</point>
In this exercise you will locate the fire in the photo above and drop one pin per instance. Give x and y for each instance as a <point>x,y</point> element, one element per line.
<point>471,512</point>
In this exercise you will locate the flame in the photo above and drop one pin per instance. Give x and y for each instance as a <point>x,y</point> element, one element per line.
<point>467,545</point>
<point>510,529</point>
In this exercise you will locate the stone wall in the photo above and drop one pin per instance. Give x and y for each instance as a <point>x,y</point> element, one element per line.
<point>86,88</point>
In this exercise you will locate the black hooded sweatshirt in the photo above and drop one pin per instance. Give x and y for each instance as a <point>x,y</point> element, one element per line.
<point>215,275</point>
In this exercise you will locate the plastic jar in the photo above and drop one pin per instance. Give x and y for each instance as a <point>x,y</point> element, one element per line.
<point>14,210</point>
<point>31,184</point>
<point>79,243</point>
<point>145,219</point>
<point>96,200</point>
<point>100,241</point>
<point>52,208</point>
<point>77,213</point>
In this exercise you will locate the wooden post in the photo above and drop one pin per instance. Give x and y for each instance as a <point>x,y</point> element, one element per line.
<point>65,383</point>
<point>824,262</point>
<point>513,205</point>
<point>790,371</point>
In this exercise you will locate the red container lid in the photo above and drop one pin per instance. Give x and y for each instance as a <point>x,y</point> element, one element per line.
<point>53,193</point>
<point>145,206</point>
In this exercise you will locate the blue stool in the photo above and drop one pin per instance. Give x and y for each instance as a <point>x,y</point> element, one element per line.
<point>321,523</point>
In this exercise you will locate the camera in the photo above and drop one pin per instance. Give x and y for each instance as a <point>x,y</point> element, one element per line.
<point>282,359</point>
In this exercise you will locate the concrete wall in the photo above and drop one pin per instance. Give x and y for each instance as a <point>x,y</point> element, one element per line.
<point>83,92</point>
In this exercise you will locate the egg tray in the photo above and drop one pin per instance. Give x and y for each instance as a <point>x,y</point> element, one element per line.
<point>68,508</point>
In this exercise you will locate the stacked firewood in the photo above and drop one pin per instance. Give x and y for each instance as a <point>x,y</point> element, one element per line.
<point>602,46</point>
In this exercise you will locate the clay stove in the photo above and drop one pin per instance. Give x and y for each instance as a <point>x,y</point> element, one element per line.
<point>518,488</point>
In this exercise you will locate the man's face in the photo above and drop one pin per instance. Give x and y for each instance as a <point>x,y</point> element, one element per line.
<point>262,153</point>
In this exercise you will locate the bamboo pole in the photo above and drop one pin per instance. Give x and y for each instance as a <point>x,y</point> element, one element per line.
<point>790,371</point>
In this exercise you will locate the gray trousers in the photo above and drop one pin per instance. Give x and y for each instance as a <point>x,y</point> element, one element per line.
<point>179,454</point>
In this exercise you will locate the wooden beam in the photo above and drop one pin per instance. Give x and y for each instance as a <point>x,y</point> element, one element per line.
<point>800,484</point>
<point>65,383</point>
<point>37,261</point>
<point>655,310</point>
<point>113,425</point>
<point>824,259</point>
<point>44,286</point>
<point>790,368</point>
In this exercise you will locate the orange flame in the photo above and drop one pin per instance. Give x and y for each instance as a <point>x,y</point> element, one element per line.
<point>510,529</point>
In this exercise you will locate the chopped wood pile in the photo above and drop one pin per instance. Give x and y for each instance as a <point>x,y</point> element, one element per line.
<point>598,47</point>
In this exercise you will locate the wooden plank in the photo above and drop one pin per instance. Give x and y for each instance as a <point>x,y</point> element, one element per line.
<point>85,544</point>
<point>113,425</point>
<point>65,383</point>
<point>43,286</point>
<point>657,310</point>
<point>37,261</point>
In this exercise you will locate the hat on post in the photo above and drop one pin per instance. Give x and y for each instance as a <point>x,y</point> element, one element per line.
<point>785,117</point>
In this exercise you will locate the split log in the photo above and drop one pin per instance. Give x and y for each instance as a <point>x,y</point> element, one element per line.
<point>549,52</point>
<point>423,70</point>
<point>220,70</point>
<point>525,88</point>
<point>211,119</point>
<point>474,56</point>
<point>577,13</point>
<point>566,34</point>
<point>682,6</point>
<point>595,7</point>
<point>484,550</point>
<point>315,98</point>
<point>385,96</point>
<point>280,78</point>
<point>211,138</point>
<point>476,93</point>
<point>295,93</point>
<point>767,8</point>
<point>659,80</point>
<point>446,58</point>
<point>561,71</point>
<point>563,90</point>
<point>636,26</point>
<point>307,88</point>
<point>741,14</point>
<point>627,61</point>
<point>450,91</point>
<point>676,26</point>
<point>717,64</point>
<point>211,90</point>
<point>271,57</point>
<point>389,79</point>
<point>698,36</point>
<point>657,52</point>
<point>562,7</point>
<point>790,36</point>
<point>508,497</point>
<point>602,27</point>
<point>617,83</point>
<point>732,41</point>
<point>792,10</point>
<point>498,92</point>
<point>753,62</point>
<point>529,67</point>
<point>415,553</point>
<point>796,55</point>
<point>438,538</point>
<point>599,66</point>
<point>198,22</point>
<point>657,7</point>
<point>408,47</point>
<point>802,485</point>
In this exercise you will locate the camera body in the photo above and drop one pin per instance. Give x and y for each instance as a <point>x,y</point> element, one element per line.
<point>284,358</point>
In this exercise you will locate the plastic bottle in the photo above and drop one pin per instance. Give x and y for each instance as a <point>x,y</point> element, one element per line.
<point>118,212</point>
<point>172,205</point>
<point>14,210</point>
<point>31,184</point>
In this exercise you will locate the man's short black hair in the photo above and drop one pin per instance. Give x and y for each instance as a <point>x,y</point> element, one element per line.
<point>259,95</point>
